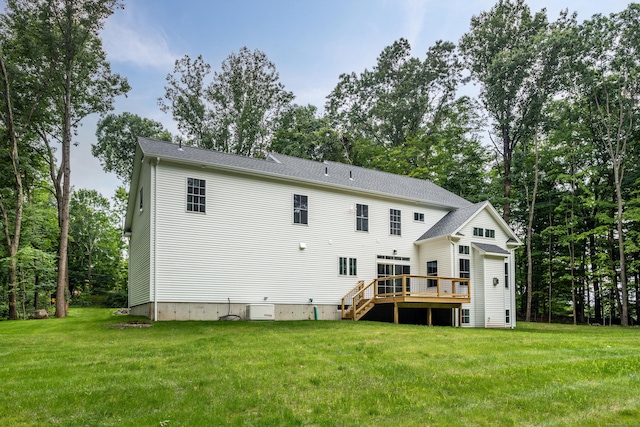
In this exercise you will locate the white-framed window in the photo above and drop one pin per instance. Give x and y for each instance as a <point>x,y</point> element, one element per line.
<point>395,222</point>
<point>490,233</point>
<point>432,270</point>
<point>478,231</point>
<point>347,266</point>
<point>506,275</point>
<point>463,249</point>
<point>300,209</point>
<point>362,217</point>
<point>141,202</point>
<point>507,316</point>
<point>196,195</point>
<point>466,318</point>
<point>465,269</point>
<point>418,217</point>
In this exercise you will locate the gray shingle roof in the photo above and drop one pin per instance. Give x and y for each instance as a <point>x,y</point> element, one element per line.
<point>337,174</point>
<point>487,247</point>
<point>451,221</point>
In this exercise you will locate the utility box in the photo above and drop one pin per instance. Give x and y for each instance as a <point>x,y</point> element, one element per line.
<point>260,312</point>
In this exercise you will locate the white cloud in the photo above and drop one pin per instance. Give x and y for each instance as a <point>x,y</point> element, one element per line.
<point>415,13</point>
<point>127,40</point>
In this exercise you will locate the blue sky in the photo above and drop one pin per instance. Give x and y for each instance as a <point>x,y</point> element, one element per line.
<point>310,42</point>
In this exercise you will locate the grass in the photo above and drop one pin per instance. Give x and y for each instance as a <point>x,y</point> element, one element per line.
<point>84,371</point>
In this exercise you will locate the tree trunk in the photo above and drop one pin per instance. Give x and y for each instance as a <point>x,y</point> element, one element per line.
<point>64,199</point>
<point>624,315</point>
<point>597,297</point>
<point>531,206</point>
<point>13,239</point>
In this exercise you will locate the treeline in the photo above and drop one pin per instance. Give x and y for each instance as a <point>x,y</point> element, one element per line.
<point>550,140</point>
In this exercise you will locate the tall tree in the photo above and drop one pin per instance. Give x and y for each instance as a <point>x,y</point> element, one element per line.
<point>516,57</point>
<point>399,98</point>
<point>609,69</point>
<point>237,112</point>
<point>300,132</point>
<point>117,137</point>
<point>75,80</point>
<point>95,243</point>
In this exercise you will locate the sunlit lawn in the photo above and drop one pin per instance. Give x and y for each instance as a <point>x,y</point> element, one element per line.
<point>83,371</point>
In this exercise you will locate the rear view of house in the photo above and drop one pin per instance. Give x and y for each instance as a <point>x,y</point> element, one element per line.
<point>213,234</point>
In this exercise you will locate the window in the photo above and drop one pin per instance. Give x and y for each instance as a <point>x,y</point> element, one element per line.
<point>362,217</point>
<point>463,250</point>
<point>490,233</point>
<point>465,271</point>
<point>141,202</point>
<point>195,195</point>
<point>478,231</point>
<point>432,270</point>
<point>300,209</point>
<point>347,266</point>
<point>394,222</point>
<point>507,317</point>
<point>418,217</point>
<point>466,319</point>
<point>506,275</point>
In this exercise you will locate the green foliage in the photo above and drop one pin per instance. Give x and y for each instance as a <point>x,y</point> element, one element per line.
<point>95,248</point>
<point>399,98</point>
<point>314,373</point>
<point>301,133</point>
<point>237,112</point>
<point>117,137</point>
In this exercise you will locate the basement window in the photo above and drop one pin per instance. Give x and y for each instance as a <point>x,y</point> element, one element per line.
<point>466,318</point>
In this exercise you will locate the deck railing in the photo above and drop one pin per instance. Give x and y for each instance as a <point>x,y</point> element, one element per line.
<point>361,298</point>
<point>422,286</point>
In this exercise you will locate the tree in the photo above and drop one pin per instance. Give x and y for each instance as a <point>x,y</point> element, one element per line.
<point>237,112</point>
<point>399,98</point>
<point>95,243</point>
<point>73,80</point>
<point>609,69</point>
<point>301,133</point>
<point>517,58</point>
<point>117,138</point>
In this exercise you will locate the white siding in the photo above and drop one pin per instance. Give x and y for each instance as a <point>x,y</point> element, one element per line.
<point>436,250</point>
<point>494,294</point>
<point>139,245</point>
<point>246,246</point>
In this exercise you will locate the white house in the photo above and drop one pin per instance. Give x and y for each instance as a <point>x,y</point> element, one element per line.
<point>214,234</point>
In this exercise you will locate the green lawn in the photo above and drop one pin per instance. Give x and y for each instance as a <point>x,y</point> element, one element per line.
<point>83,371</point>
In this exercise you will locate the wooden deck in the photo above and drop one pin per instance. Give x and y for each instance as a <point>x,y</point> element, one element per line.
<point>407,291</point>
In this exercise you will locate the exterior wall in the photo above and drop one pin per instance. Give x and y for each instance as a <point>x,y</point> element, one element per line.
<point>477,305</point>
<point>245,248</point>
<point>495,295</point>
<point>437,250</point>
<point>140,244</point>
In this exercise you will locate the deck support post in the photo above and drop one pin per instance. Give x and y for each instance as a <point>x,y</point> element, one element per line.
<point>429,317</point>
<point>395,313</point>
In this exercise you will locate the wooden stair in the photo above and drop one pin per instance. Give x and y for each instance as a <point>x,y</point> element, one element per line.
<point>358,301</point>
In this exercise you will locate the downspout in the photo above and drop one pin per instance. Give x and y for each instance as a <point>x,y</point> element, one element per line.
<point>155,241</point>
